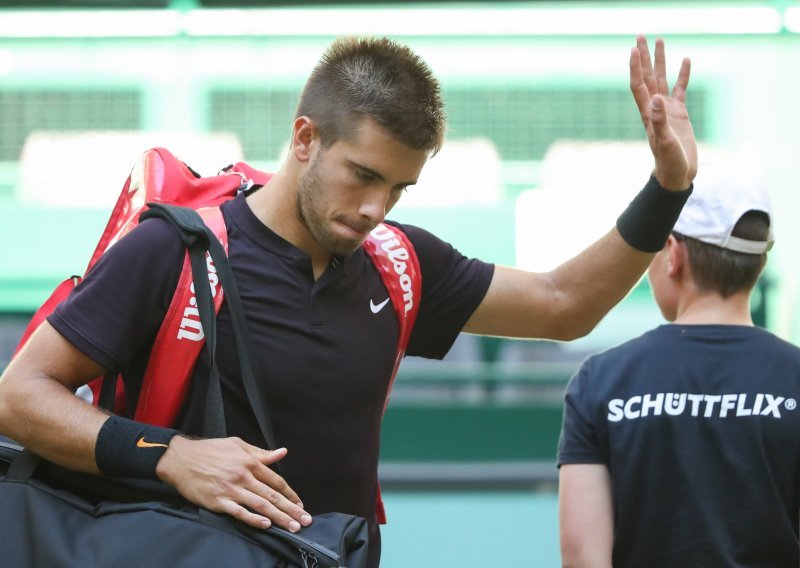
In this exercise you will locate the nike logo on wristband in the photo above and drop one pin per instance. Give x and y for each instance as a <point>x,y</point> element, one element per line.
<point>141,443</point>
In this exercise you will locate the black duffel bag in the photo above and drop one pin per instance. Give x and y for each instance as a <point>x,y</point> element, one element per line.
<point>60,518</point>
<point>54,517</point>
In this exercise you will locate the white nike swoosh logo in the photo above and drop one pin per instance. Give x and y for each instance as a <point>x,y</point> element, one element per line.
<point>375,309</point>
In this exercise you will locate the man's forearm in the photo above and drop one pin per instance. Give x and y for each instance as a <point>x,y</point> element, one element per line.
<point>43,415</point>
<point>596,280</point>
<point>38,407</point>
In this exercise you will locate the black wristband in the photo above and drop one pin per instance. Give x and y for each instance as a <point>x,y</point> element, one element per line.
<point>126,448</point>
<point>648,220</point>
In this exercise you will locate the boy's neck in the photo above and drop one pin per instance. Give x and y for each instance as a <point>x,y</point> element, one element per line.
<point>711,308</point>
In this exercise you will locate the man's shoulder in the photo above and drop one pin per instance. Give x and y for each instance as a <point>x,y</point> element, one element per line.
<point>150,235</point>
<point>428,246</point>
<point>425,245</point>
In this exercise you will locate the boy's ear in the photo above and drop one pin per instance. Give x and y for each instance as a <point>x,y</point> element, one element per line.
<point>677,256</point>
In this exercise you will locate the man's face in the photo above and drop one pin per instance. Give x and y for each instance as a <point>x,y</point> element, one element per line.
<point>349,187</point>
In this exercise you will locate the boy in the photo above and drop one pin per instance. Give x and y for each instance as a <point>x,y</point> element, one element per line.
<point>680,447</point>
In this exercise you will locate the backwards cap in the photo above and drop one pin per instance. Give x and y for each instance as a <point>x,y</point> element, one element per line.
<point>723,192</point>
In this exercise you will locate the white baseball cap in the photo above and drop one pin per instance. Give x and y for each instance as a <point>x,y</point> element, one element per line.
<point>723,192</point>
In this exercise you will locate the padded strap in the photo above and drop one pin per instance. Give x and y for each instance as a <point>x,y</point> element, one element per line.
<point>23,466</point>
<point>108,391</point>
<point>244,344</point>
<point>192,229</point>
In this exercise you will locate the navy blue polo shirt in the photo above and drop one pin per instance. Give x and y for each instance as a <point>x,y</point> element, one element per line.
<point>326,357</point>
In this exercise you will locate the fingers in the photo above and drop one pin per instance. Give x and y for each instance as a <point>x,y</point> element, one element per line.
<point>648,76</point>
<point>262,507</point>
<point>270,457</point>
<point>266,475</point>
<point>669,130</point>
<point>679,90</point>
<point>673,145</point>
<point>267,501</point>
<point>259,513</point>
<point>638,87</point>
<point>648,80</point>
<point>654,76</point>
<point>275,481</point>
<point>658,114</point>
<point>270,494</point>
<point>230,476</point>
<point>661,69</point>
<point>236,511</point>
<point>261,503</point>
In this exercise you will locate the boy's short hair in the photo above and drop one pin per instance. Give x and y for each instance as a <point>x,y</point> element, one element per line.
<point>725,271</point>
<point>727,225</point>
<point>376,78</point>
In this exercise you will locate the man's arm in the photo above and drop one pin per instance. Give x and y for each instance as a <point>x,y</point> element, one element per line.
<point>39,410</point>
<point>586,516</point>
<point>563,304</point>
<point>569,301</point>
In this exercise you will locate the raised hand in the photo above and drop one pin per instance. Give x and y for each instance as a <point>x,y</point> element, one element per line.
<point>664,116</point>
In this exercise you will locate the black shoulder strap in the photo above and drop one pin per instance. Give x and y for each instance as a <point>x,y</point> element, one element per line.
<point>198,239</point>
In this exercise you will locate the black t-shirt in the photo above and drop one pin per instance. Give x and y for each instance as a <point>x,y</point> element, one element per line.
<point>698,425</point>
<point>326,357</point>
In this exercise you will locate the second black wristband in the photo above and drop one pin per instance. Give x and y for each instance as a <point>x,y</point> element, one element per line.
<point>648,220</point>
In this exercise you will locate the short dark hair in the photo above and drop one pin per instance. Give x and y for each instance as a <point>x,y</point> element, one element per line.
<point>378,78</point>
<point>724,271</point>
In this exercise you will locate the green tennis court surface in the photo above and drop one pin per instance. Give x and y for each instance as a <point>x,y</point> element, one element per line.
<point>470,530</point>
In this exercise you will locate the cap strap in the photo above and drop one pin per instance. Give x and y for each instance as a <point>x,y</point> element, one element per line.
<point>747,246</point>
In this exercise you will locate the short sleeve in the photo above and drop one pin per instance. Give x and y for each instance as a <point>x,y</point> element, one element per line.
<point>452,288</point>
<point>113,315</point>
<point>579,441</point>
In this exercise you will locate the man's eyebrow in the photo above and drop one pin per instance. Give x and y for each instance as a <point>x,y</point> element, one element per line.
<point>377,174</point>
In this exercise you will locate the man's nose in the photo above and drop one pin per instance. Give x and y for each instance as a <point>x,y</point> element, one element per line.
<point>373,207</point>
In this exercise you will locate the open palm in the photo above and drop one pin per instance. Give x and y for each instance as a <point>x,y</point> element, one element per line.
<point>664,115</point>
